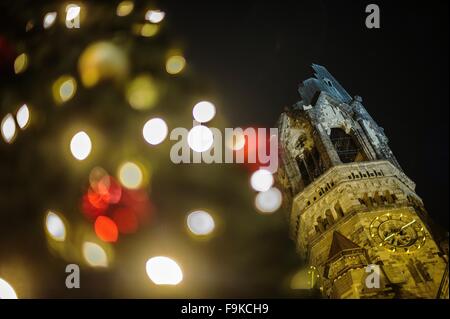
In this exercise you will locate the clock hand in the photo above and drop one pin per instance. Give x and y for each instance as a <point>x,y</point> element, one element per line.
<point>410,223</point>
<point>386,238</point>
<point>395,233</point>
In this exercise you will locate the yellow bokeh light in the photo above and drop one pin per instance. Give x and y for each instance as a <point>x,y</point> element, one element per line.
<point>124,8</point>
<point>64,89</point>
<point>131,175</point>
<point>175,64</point>
<point>95,255</point>
<point>101,61</point>
<point>149,30</point>
<point>163,271</point>
<point>6,290</point>
<point>142,92</point>
<point>20,63</point>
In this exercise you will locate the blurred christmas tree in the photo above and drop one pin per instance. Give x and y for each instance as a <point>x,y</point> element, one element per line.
<point>78,83</point>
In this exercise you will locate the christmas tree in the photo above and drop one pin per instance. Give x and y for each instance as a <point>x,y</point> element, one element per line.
<point>89,94</point>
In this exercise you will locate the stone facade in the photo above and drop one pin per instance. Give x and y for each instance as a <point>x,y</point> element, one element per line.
<point>350,204</point>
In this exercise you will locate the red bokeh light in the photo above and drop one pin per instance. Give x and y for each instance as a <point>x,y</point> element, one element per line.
<point>106,229</point>
<point>251,150</point>
<point>89,210</point>
<point>126,220</point>
<point>115,209</point>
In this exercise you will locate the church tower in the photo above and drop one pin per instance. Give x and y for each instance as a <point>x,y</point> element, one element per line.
<point>353,213</point>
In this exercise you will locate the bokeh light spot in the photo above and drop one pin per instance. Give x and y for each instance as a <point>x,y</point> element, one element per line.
<point>64,89</point>
<point>6,290</point>
<point>147,30</point>
<point>163,271</point>
<point>49,19</point>
<point>175,64</point>
<point>235,141</point>
<point>8,128</point>
<point>124,8</point>
<point>200,223</point>
<point>142,92</point>
<point>200,138</point>
<point>261,180</point>
<point>204,111</point>
<point>80,146</point>
<point>106,229</point>
<point>23,116</point>
<point>268,201</point>
<point>126,220</point>
<point>95,255</point>
<point>20,63</point>
<point>130,175</point>
<point>155,16</point>
<point>155,131</point>
<point>55,226</point>
<point>101,61</point>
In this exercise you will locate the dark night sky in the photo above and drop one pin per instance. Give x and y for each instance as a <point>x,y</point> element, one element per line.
<point>255,53</point>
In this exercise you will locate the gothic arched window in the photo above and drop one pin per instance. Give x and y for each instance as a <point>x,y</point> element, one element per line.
<point>346,146</point>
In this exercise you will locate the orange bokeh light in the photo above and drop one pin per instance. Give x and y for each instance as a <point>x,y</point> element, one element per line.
<point>106,229</point>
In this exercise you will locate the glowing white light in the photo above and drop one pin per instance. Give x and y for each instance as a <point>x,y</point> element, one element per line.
<point>200,138</point>
<point>80,145</point>
<point>261,180</point>
<point>95,255</point>
<point>23,116</point>
<point>6,290</point>
<point>72,12</point>
<point>130,175</point>
<point>236,141</point>
<point>204,111</point>
<point>268,201</point>
<point>163,271</point>
<point>8,128</point>
<point>155,131</point>
<point>55,226</point>
<point>49,19</point>
<point>155,16</point>
<point>200,223</point>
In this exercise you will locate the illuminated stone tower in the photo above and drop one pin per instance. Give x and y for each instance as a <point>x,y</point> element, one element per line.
<point>350,203</point>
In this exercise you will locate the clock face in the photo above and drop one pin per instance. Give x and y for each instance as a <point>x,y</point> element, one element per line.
<point>398,232</point>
